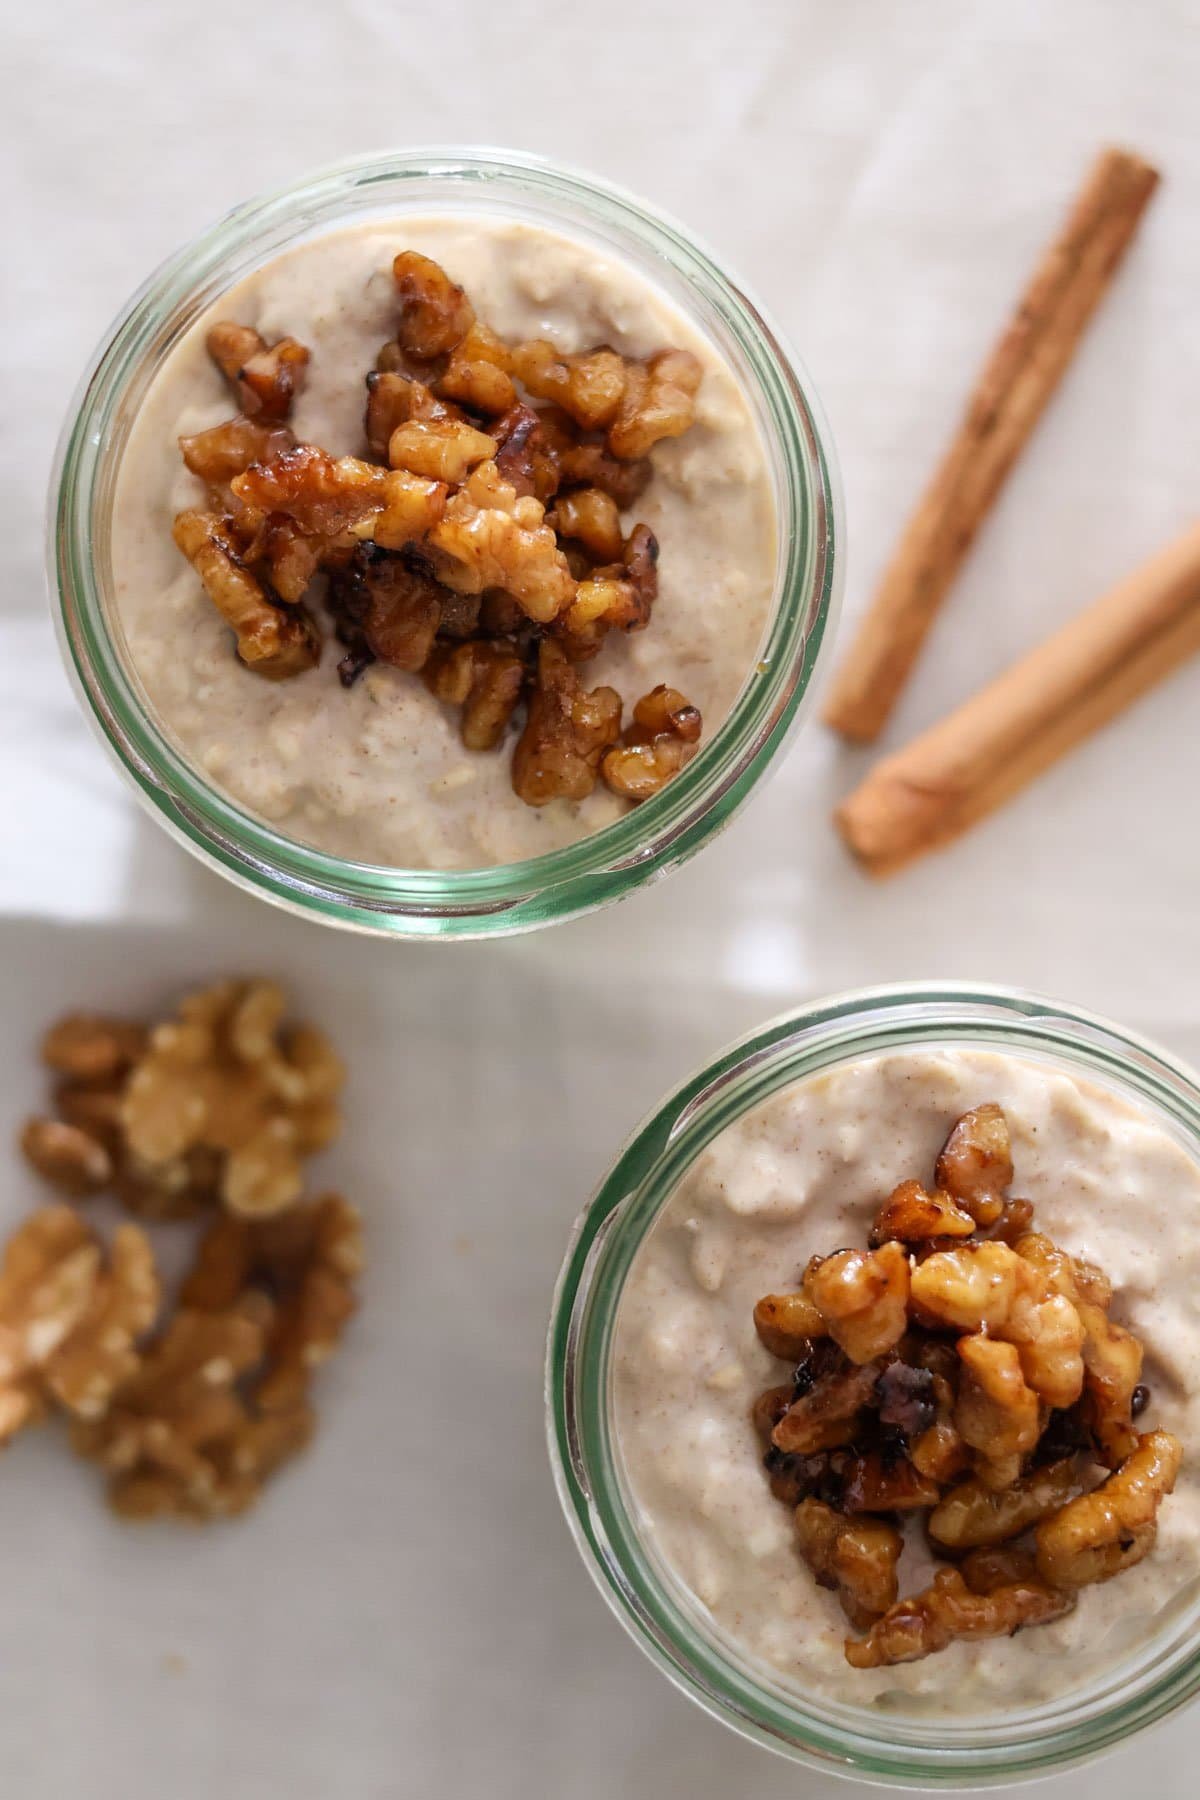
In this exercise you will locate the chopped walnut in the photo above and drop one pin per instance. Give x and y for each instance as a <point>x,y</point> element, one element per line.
<point>224,1077</point>
<point>589,464</point>
<point>265,377</point>
<point>486,680</point>
<point>858,1558</point>
<point>662,739</point>
<point>391,602</point>
<point>92,1362</point>
<point>478,374</point>
<point>274,641</point>
<point>590,517</point>
<point>621,596</point>
<point>997,1412</point>
<point>567,730</point>
<point>435,313</point>
<point>975,1163</point>
<point>946,1612</point>
<point>912,1214</point>
<point>588,386</point>
<point>492,538</point>
<point>526,459</point>
<point>658,401</point>
<point>1112,1370</point>
<point>1000,1565</point>
<point>223,451</point>
<point>826,1415</point>
<point>863,1297</point>
<point>394,400</point>
<point>971,1287</point>
<point>973,1514</point>
<point>442,449</point>
<point>68,1157</point>
<point>874,1483</point>
<point>48,1280</point>
<point>1106,1531</point>
<point>786,1322</point>
<point>92,1049</point>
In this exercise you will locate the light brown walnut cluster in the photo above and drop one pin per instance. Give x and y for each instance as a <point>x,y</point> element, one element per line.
<point>206,1114</point>
<point>479,540</point>
<point>966,1370</point>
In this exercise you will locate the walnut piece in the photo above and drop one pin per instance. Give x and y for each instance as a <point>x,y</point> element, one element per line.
<point>947,1612</point>
<point>997,1412</point>
<point>486,680</point>
<point>435,313</point>
<point>442,449</point>
<point>391,603</point>
<point>858,1558</point>
<point>663,737</point>
<point>274,641</point>
<point>912,1214</point>
<point>1106,1531</point>
<point>786,1322</point>
<point>975,1163</point>
<point>590,517</point>
<point>862,1295</point>
<point>658,401</point>
<point>972,1514</point>
<point>492,538</point>
<point>479,373</point>
<point>526,459</point>
<point>265,377</point>
<point>567,730</point>
<point>71,1159</point>
<point>226,450</point>
<point>225,1077</point>
<point>587,386</point>
<point>826,1416</point>
<point>92,1362</point>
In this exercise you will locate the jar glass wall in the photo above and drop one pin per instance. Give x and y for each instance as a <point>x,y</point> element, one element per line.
<point>648,839</point>
<point>892,1747</point>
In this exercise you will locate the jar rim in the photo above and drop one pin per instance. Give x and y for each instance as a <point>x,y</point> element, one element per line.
<point>888,1749</point>
<point>598,868</point>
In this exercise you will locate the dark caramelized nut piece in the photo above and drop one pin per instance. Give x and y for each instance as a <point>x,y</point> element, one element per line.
<point>1102,1533</point>
<point>659,401</point>
<point>907,1399</point>
<point>1014,1222</point>
<point>324,494</point>
<point>396,606</point>
<point>946,1612</point>
<point>973,1514</point>
<point>620,596</point>
<point>566,733</point>
<point>525,458</point>
<point>435,313</point>
<point>591,465</point>
<point>478,373</point>
<point>662,739</point>
<point>914,1215</point>
<point>827,1415</point>
<point>265,377</point>
<point>226,450</point>
<point>491,537</point>
<point>393,400</point>
<point>231,345</point>
<point>590,517</point>
<point>857,1558</point>
<point>1002,1565</point>
<point>1112,1370</point>
<point>485,678</point>
<point>786,1322</point>
<point>588,386</point>
<point>877,1484</point>
<point>768,1409</point>
<point>274,641</point>
<point>863,1297</point>
<point>975,1163</point>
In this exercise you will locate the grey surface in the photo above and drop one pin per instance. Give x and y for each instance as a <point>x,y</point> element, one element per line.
<point>407,1617</point>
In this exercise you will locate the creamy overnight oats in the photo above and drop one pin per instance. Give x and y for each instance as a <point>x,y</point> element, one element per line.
<point>470,544</point>
<point>909,1362</point>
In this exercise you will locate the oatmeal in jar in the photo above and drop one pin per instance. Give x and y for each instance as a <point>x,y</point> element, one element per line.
<point>907,1382</point>
<point>440,544</point>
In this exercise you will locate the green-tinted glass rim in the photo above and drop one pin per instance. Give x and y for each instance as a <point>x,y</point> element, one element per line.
<point>423,903</point>
<point>890,1750</point>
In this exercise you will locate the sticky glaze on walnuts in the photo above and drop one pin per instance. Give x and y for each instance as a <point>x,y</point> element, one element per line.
<point>962,1370</point>
<point>478,541</point>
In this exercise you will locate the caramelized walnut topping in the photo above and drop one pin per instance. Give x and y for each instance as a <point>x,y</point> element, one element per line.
<point>658,401</point>
<point>662,739</point>
<point>858,1558</point>
<point>442,449</point>
<point>479,373</point>
<point>947,1612</point>
<point>589,516</point>
<point>486,680</point>
<point>588,387</point>
<point>567,730</point>
<point>223,451</point>
<point>394,400</point>
<point>393,604</point>
<point>975,1379</point>
<point>490,537</point>
<point>589,464</point>
<point>1102,1533</point>
<point>273,641</point>
<point>525,458</point>
<point>435,313</point>
<point>265,377</point>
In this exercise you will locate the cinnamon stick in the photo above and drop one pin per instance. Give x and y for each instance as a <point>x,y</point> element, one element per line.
<point>1008,398</point>
<point>991,747</point>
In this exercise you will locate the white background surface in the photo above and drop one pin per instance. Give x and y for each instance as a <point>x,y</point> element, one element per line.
<point>405,1616</point>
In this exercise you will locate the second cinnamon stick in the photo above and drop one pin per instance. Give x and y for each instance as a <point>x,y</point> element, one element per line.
<point>998,741</point>
<point>1006,403</point>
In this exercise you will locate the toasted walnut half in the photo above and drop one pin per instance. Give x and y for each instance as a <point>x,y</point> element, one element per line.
<point>273,641</point>
<point>567,730</point>
<point>435,313</point>
<point>858,1558</point>
<point>587,386</point>
<point>913,1215</point>
<point>947,1611</point>
<point>826,1415</point>
<point>863,1297</point>
<point>975,1164</point>
<point>265,377</point>
<point>486,679</point>
<point>658,401</point>
<point>973,1514</point>
<point>1098,1535</point>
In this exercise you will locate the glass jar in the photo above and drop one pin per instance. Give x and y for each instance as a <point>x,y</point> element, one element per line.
<point>886,1747</point>
<point>420,902</point>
